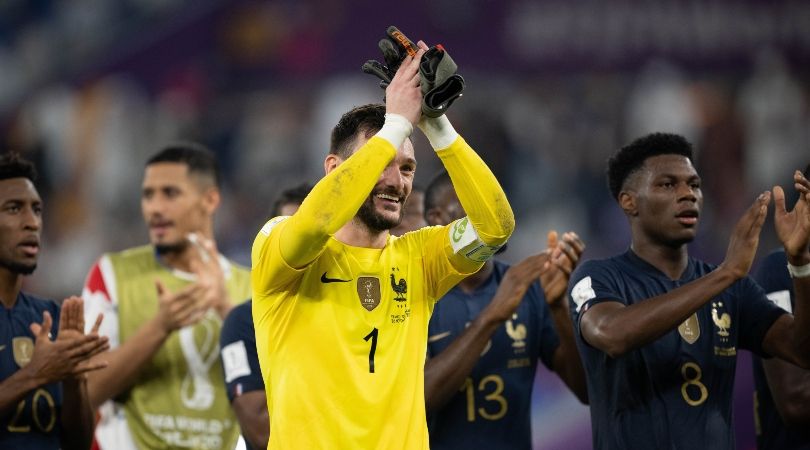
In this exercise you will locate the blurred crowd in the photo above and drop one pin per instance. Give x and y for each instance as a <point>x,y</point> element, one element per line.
<point>91,88</point>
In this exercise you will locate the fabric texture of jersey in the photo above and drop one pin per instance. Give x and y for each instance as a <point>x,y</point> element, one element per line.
<point>341,331</point>
<point>676,392</point>
<point>772,433</point>
<point>35,422</point>
<point>331,362</point>
<point>178,401</point>
<point>500,384</point>
<point>238,349</point>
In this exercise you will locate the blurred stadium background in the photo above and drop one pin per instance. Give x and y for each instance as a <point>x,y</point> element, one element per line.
<point>90,88</point>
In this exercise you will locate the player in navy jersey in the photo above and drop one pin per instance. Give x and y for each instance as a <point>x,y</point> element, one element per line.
<point>243,378</point>
<point>43,394</point>
<point>659,331</point>
<point>782,406</point>
<point>486,336</point>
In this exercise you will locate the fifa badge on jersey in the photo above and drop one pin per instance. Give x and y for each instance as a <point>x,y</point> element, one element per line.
<point>690,329</point>
<point>368,290</point>
<point>23,348</point>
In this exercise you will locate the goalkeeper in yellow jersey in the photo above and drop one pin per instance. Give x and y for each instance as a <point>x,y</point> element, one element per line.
<point>341,307</point>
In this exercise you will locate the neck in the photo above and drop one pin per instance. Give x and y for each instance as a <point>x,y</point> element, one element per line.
<point>472,282</point>
<point>671,261</point>
<point>10,285</point>
<point>357,234</point>
<point>179,260</point>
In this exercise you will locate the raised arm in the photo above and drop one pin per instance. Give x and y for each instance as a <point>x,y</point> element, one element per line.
<point>478,190</point>
<point>789,337</point>
<point>305,233</point>
<point>617,329</point>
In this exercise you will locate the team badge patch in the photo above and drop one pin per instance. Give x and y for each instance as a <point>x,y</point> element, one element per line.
<point>23,350</point>
<point>690,329</point>
<point>368,290</point>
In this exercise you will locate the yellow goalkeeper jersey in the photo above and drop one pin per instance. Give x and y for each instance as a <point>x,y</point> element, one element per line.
<point>342,340</point>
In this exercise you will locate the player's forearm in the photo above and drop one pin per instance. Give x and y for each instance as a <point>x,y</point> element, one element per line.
<point>124,363</point>
<point>790,387</point>
<point>14,388</point>
<point>801,321</point>
<point>445,373</point>
<point>479,193</point>
<point>617,329</point>
<point>567,362</point>
<point>333,202</point>
<point>254,420</point>
<point>77,416</point>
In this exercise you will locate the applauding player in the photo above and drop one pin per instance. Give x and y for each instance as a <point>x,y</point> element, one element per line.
<point>659,331</point>
<point>487,335</point>
<point>43,389</point>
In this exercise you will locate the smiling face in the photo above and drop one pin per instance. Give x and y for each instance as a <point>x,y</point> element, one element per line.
<point>663,200</point>
<point>384,207</point>
<point>175,203</point>
<point>20,225</point>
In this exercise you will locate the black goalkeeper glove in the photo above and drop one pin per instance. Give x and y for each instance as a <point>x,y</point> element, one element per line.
<point>440,83</point>
<point>395,47</point>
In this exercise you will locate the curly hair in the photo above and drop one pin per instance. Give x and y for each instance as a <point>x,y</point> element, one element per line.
<point>631,157</point>
<point>12,165</point>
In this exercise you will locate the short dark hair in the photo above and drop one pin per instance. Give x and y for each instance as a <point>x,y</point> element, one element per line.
<point>631,157</point>
<point>367,119</point>
<point>295,194</point>
<point>12,165</point>
<point>199,159</point>
<point>435,189</point>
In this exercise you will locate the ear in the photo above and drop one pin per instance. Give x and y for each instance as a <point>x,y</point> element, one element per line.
<point>331,162</point>
<point>627,201</point>
<point>211,199</point>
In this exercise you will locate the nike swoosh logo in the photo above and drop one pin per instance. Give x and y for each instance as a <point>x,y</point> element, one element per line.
<point>438,337</point>
<point>325,279</point>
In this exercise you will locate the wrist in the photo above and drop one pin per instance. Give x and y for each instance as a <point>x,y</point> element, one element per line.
<point>159,327</point>
<point>800,271</point>
<point>439,131</point>
<point>395,129</point>
<point>801,259</point>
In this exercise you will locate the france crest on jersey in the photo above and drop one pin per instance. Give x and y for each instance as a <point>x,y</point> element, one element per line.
<point>35,421</point>
<point>675,392</point>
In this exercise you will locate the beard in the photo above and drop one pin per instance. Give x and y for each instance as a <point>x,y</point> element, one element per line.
<point>375,221</point>
<point>18,267</point>
<point>164,249</point>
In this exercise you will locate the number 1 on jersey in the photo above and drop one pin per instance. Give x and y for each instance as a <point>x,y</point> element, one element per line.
<point>373,349</point>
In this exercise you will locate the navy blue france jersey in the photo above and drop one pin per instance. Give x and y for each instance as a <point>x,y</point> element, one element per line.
<point>772,434</point>
<point>676,392</point>
<point>240,362</point>
<point>36,420</point>
<point>492,409</point>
